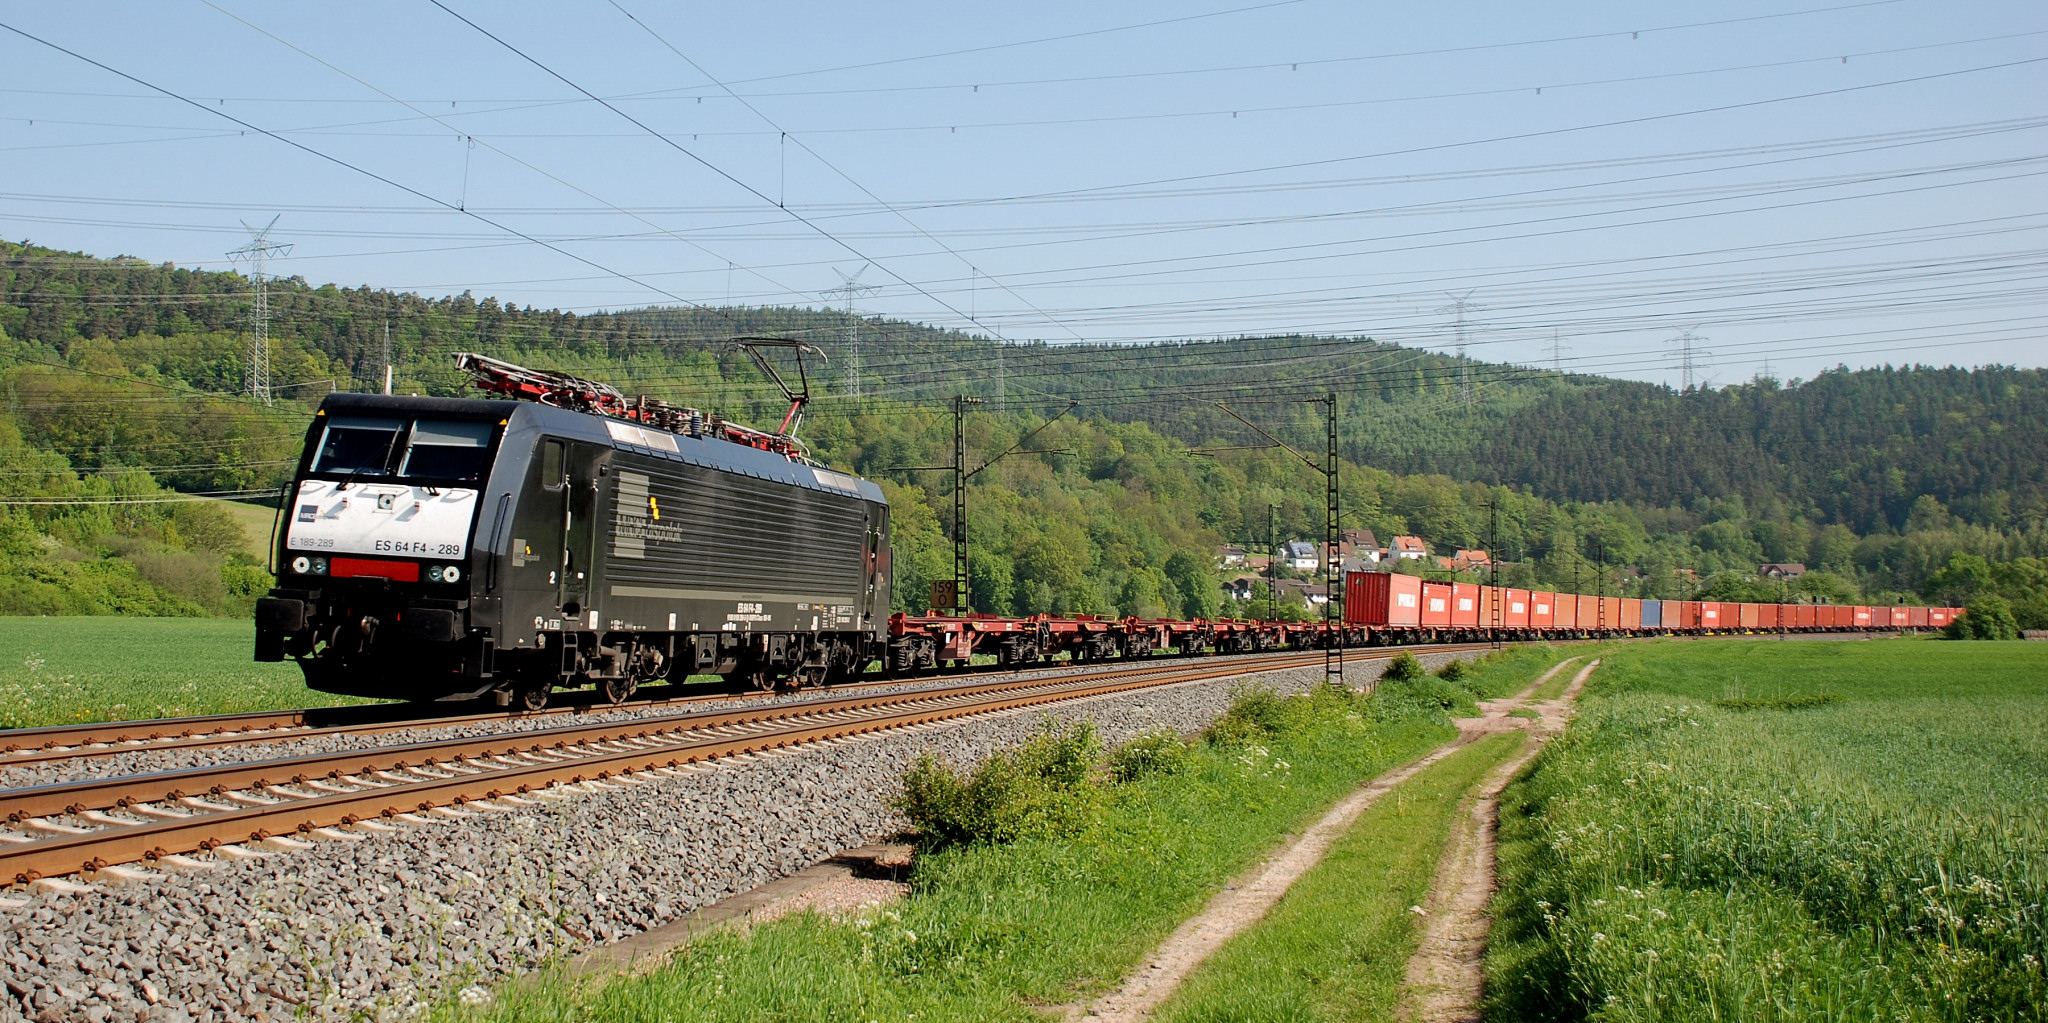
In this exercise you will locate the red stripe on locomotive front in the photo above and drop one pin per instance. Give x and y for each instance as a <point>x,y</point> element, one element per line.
<point>396,571</point>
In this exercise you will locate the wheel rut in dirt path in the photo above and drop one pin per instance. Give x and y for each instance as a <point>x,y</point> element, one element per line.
<point>1447,975</point>
<point>1245,902</point>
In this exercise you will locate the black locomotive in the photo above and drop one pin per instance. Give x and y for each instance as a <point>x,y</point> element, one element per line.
<point>452,548</point>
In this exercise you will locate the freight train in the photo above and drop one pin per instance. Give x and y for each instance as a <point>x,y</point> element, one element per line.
<point>559,535</point>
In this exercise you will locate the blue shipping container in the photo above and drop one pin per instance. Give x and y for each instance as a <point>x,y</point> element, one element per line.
<point>1653,614</point>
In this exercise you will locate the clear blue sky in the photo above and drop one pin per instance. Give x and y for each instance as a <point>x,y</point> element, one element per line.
<point>1800,185</point>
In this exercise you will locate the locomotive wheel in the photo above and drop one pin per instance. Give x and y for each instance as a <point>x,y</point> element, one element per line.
<point>616,690</point>
<point>533,695</point>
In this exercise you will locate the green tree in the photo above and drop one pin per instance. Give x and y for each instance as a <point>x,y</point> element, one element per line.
<point>1194,579</point>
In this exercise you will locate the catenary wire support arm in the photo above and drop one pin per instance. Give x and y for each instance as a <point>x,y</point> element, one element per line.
<point>1019,449</point>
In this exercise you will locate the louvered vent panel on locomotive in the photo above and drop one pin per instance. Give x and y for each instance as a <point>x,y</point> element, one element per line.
<point>718,537</point>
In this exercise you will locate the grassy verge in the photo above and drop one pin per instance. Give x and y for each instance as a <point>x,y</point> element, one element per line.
<point>1063,910</point>
<point>57,671</point>
<point>1856,833</point>
<point>1337,947</point>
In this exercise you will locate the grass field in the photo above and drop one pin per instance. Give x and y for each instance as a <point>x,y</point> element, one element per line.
<point>57,671</point>
<point>1784,831</point>
<point>1337,946</point>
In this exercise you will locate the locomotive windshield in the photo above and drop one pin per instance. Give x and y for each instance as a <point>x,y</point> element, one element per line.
<point>436,449</point>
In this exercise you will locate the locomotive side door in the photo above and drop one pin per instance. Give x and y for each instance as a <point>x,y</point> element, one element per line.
<point>579,528</point>
<point>536,540</point>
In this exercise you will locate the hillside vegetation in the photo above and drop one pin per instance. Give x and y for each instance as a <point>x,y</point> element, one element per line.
<point>122,377</point>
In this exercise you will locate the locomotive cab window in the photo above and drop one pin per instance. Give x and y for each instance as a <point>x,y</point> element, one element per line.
<point>359,444</point>
<point>551,464</point>
<point>447,450</point>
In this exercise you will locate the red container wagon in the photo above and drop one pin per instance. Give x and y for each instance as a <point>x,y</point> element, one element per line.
<point>1749,616</point>
<point>1841,617</point>
<point>1940,616</point>
<point>1515,608</point>
<point>1805,616</point>
<point>1565,613</point>
<point>1898,617</point>
<point>1590,617</point>
<point>1681,615</point>
<point>1916,617</point>
<point>1382,600</point>
<point>1864,618</point>
<point>1542,610</point>
<point>1631,613</point>
<point>1710,615</point>
<point>1465,605</point>
<point>1436,605</point>
<point>1768,616</point>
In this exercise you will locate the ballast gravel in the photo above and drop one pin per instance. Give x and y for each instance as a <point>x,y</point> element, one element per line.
<point>382,927</point>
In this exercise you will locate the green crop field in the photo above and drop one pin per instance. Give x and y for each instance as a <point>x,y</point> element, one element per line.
<point>57,671</point>
<point>1785,831</point>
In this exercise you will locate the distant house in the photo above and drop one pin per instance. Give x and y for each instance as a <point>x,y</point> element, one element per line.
<point>1230,554</point>
<point>1239,588</point>
<point>1780,570</point>
<point>1311,594</point>
<point>1355,546</point>
<point>1409,548</point>
<point>1470,559</point>
<point>1301,556</point>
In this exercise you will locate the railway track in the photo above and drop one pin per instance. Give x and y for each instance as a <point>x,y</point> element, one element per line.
<point>94,825</point>
<point>24,746</point>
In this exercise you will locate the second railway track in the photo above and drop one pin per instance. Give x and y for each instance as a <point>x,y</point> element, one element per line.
<point>99,739</point>
<point>85,826</point>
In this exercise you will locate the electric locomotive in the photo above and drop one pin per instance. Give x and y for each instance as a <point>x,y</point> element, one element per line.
<point>459,548</point>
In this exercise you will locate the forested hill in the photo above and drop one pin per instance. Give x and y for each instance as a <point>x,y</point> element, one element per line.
<point>1850,447</point>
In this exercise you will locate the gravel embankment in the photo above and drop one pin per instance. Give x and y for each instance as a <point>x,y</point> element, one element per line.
<point>376,928</point>
<point>151,761</point>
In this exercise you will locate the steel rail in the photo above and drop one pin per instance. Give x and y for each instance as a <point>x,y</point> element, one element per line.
<point>493,767</point>
<point>50,743</point>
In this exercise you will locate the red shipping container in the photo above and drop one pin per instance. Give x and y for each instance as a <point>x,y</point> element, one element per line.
<point>1899,619</point>
<point>1916,617</point>
<point>1806,616</point>
<point>1841,617</point>
<point>1683,615</point>
<point>1589,612</point>
<point>1382,599</point>
<point>1465,605</point>
<point>1710,615</point>
<point>1940,616</point>
<point>1863,617</point>
<point>1542,610</point>
<point>1767,615</point>
<point>1436,605</point>
<point>1749,615</point>
<point>1515,609</point>
<point>1631,613</point>
<point>1565,615</point>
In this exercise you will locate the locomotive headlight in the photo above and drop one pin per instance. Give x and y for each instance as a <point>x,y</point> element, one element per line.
<point>302,565</point>
<point>450,574</point>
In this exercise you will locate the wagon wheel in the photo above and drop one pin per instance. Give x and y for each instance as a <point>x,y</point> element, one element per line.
<point>760,679</point>
<point>618,689</point>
